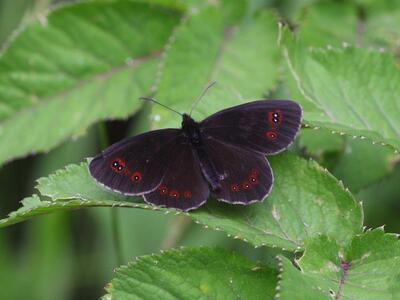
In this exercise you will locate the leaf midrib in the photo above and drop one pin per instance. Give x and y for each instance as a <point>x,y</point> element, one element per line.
<point>83,82</point>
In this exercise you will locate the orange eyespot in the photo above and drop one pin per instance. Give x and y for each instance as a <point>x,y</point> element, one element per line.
<point>187,194</point>
<point>136,176</point>
<point>235,188</point>
<point>271,135</point>
<point>246,185</point>
<point>253,179</point>
<point>174,194</point>
<point>163,190</point>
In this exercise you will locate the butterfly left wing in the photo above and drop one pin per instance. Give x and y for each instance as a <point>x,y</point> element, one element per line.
<point>265,126</point>
<point>136,165</point>
<point>245,176</point>
<point>183,186</point>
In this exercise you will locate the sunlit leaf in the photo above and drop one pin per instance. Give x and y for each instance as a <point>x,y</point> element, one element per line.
<point>216,44</point>
<point>80,64</point>
<point>347,90</point>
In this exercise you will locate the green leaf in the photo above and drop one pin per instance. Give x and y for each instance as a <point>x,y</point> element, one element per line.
<point>319,141</point>
<point>329,23</point>
<point>82,63</point>
<point>368,269</point>
<point>338,23</point>
<point>382,21</point>
<point>215,44</point>
<point>347,90</point>
<point>363,164</point>
<point>197,273</point>
<point>305,201</point>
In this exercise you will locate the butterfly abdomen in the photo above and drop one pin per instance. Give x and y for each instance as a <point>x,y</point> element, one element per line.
<point>208,169</point>
<point>192,133</point>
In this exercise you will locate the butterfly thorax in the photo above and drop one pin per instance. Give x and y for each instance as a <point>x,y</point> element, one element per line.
<point>191,131</point>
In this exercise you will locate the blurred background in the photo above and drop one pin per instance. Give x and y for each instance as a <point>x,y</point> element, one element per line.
<point>71,255</point>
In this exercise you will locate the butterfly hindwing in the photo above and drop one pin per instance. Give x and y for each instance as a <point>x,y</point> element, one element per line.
<point>265,126</point>
<point>245,177</point>
<point>136,165</point>
<point>183,187</point>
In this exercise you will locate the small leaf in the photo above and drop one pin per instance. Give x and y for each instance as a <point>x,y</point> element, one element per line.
<point>305,201</point>
<point>198,273</point>
<point>82,63</point>
<point>351,91</point>
<point>368,269</point>
<point>215,44</point>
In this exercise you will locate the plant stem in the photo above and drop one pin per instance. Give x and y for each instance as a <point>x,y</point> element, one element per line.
<point>103,139</point>
<point>176,230</point>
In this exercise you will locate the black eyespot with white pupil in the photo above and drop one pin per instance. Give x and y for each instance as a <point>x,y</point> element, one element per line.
<point>117,166</point>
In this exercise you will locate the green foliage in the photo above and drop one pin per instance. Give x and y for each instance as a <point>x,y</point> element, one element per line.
<point>332,97</point>
<point>295,211</point>
<point>80,64</point>
<point>367,269</point>
<point>203,52</point>
<point>199,273</point>
<point>88,62</point>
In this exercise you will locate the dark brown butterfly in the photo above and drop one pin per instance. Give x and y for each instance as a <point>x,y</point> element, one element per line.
<point>224,154</point>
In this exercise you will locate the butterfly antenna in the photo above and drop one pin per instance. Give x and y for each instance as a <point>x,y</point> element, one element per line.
<point>201,96</point>
<point>155,101</point>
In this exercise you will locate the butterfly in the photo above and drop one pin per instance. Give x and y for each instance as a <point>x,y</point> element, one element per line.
<point>225,155</point>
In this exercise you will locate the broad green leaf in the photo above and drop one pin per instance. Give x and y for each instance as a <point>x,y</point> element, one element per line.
<point>82,63</point>
<point>363,164</point>
<point>338,23</point>
<point>347,90</point>
<point>368,269</point>
<point>329,23</point>
<point>305,201</point>
<point>34,206</point>
<point>319,141</point>
<point>193,273</point>
<point>382,21</point>
<point>215,44</point>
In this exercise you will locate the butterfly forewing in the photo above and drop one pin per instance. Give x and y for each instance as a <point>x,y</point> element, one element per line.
<point>183,187</point>
<point>136,165</point>
<point>245,177</point>
<point>265,126</point>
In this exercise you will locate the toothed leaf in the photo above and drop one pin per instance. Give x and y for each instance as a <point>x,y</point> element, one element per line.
<point>198,273</point>
<point>348,90</point>
<point>216,44</point>
<point>81,63</point>
<point>369,268</point>
<point>305,201</point>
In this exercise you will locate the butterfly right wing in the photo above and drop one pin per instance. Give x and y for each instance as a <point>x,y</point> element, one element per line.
<point>136,165</point>
<point>264,126</point>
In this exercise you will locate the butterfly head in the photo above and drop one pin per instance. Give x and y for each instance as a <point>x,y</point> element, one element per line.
<point>188,122</point>
<point>190,129</point>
